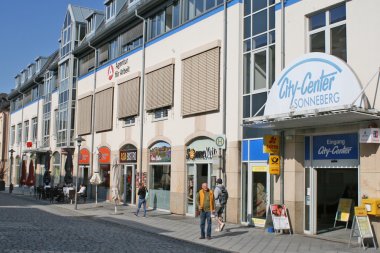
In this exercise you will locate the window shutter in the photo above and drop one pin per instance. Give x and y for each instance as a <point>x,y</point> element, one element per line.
<point>103,54</point>
<point>159,85</point>
<point>200,82</point>
<point>103,110</point>
<point>84,116</point>
<point>128,104</point>
<point>132,34</point>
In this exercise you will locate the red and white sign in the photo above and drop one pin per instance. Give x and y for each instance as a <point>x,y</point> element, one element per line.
<point>369,135</point>
<point>29,144</point>
<point>84,156</point>
<point>110,72</point>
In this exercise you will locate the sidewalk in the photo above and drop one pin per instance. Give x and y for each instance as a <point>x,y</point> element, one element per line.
<point>235,237</point>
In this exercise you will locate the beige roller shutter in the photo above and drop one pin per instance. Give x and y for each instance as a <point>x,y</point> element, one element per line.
<point>200,82</point>
<point>84,116</point>
<point>128,98</point>
<point>132,34</point>
<point>159,88</point>
<point>103,54</point>
<point>103,110</point>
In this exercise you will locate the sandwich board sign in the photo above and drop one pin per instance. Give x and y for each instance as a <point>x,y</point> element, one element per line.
<point>279,217</point>
<point>361,227</point>
<point>344,211</point>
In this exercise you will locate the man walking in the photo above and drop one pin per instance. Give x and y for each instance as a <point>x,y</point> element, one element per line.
<point>206,206</point>
<point>221,196</point>
<point>142,201</point>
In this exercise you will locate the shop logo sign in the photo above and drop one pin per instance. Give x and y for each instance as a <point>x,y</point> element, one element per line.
<point>314,81</point>
<point>110,72</point>
<point>343,146</point>
<point>207,154</point>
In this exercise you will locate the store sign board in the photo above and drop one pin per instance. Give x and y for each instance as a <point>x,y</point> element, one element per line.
<point>128,156</point>
<point>360,211</point>
<point>369,135</point>
<point>274,165</point>
<point>271,144</point>
<point>339,146</point>
<point>104,155</point>
<point>160,152</point>
<point>84,157</point>
<point>118,69</point>
<point>313,81</point>
<point>202,150</point>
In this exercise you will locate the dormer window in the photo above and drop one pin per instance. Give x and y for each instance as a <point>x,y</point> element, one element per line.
<point>31,70</point>
<point>38,65</point>
<point>17,81</point>
<point>110,9</point>
<point>91,24</point>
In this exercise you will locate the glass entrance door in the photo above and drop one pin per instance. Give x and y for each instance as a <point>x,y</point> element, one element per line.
<point>197,174</point>
<point>258,194</point>
<point>128,184</point>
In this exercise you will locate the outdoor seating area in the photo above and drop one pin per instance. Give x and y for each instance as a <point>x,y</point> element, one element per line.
<point>57,194</point>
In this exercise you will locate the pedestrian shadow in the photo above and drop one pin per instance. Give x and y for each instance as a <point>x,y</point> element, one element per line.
<point>230,234</point>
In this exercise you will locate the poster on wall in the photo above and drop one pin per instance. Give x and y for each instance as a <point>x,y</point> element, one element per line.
<point>279,217</point>
<point>190,189</point>
<point>160,152</point>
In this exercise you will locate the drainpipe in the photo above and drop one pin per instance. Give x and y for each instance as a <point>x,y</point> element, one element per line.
<point>38,111</point>
<point>223,165</point>
<point>22,125</point>
<point>282,135</point>
<point>142,96</point>
<point>93,111</point>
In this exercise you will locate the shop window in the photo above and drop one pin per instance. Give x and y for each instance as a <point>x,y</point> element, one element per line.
<point>161,177</point>
<point>327,32</point>
<point>105,174</point>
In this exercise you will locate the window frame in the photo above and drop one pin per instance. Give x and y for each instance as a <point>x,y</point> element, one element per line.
<point>327,28</point>
<point>110,10</point>
<point>160,114</point>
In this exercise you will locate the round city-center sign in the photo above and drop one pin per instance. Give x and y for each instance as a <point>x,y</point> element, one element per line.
<point>314,81</point>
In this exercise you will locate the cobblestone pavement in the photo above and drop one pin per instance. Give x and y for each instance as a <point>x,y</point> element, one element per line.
<point>27,225</point>
<point>96,228</point>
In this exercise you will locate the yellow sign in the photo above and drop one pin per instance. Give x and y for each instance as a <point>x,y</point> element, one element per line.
<point>259,168</point>
<point>271,144</point>
<point>274,165</point>
<point>360,211</point>
<point>344,210</point>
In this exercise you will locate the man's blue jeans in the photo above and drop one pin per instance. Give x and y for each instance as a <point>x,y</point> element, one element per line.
<point>141,202</point>
<point>205,216</point>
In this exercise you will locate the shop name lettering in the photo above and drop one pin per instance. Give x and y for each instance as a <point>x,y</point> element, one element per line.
<point>121,69</point>
<point>336,149</point>
<point>128,156</point>
<point>192,154</point>
<point>304,93</point>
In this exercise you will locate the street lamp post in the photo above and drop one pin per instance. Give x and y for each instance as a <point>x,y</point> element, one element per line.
<point>11,167</point>
<point>79,140</point>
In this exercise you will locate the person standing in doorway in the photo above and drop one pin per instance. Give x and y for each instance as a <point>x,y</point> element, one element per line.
<point>206,206</point>
<point>142,201</point>
<point>221,196</point>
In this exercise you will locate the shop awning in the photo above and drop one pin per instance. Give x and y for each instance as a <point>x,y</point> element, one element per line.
<point>316,118</point>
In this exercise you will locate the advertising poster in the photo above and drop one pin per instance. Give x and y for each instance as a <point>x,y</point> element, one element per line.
<point>279,217</point>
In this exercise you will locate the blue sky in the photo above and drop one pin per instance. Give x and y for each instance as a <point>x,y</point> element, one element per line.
<point>31,28</point>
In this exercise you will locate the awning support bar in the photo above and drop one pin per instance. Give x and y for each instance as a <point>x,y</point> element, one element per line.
<point>362,91</point>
